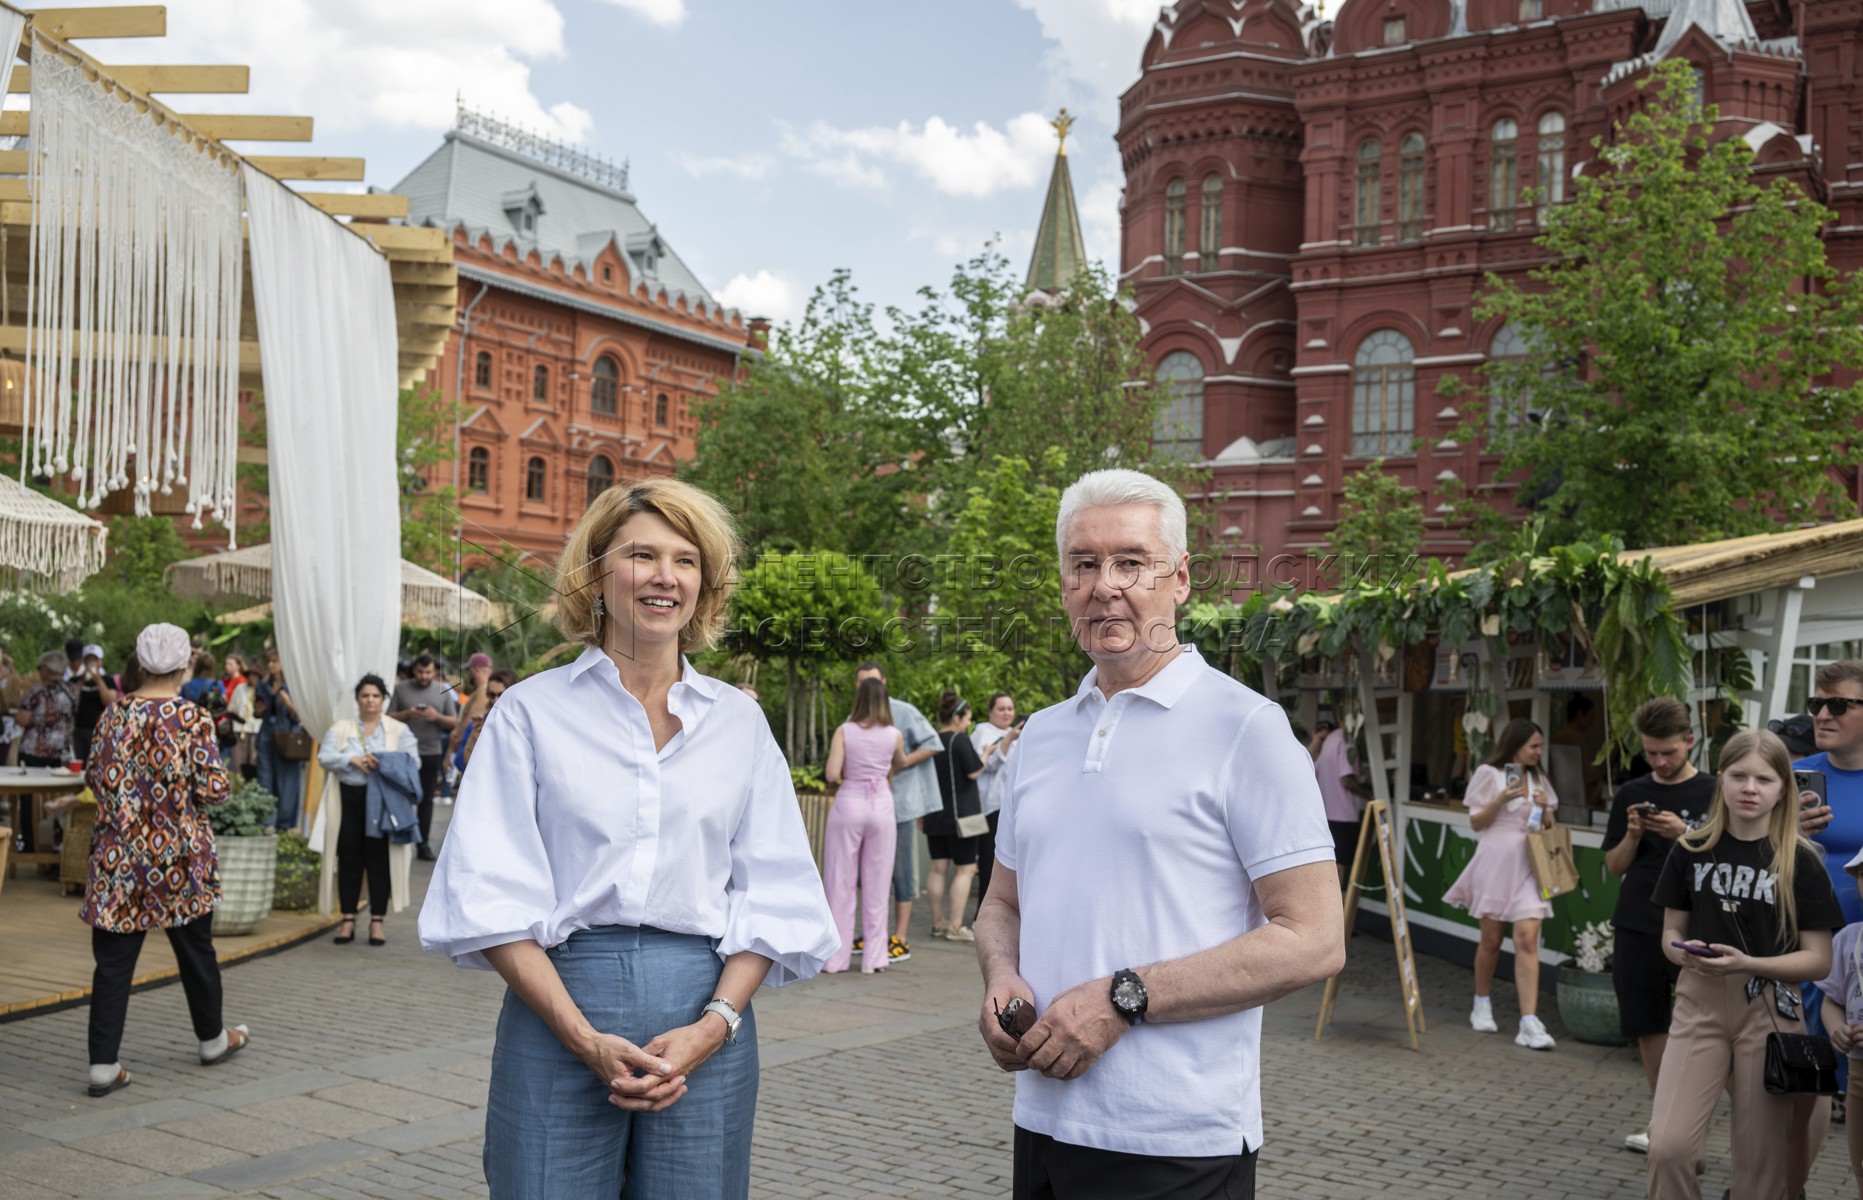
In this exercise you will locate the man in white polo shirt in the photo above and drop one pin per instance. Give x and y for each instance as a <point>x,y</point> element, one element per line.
<point>1164,870</point>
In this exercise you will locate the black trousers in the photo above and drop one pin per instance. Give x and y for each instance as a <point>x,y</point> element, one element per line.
<point>357,854</point>
<point>1049,1170</point>
<point>986,858</point>
<point>116,954</point>
<point>429,786</point>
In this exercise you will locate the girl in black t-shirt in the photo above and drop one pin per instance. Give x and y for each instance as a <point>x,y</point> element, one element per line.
<point>1748,896</point>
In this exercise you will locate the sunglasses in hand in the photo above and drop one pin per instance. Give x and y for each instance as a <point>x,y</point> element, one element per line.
<point>1017,1019</point>
<point>1839,705</point>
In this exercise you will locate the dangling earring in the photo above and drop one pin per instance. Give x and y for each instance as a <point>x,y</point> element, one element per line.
<point>601,610</point>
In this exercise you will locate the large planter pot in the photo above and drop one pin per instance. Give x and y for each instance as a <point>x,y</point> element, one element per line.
<point>248,869</point>
<point>1588,1006</point>
<point>815,806</point>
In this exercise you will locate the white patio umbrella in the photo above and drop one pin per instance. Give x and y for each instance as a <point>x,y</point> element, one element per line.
<point>43,544</point>
<point>428,601</point>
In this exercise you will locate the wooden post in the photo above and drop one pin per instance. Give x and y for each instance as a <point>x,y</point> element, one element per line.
<point>1375,828</point>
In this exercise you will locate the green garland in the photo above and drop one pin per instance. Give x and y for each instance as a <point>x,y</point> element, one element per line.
<point>1619,611</point>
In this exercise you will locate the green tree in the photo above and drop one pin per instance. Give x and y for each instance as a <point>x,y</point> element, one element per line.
<point>1679,345</point>
<point>140,549</point>
<point>1380,529</point>
<point>812,448</point>
<point>808,610</point>
<point>429,512</point>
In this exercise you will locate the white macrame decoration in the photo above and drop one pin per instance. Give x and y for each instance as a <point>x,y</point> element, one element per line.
<point>135,299</point>
<point>45,545</point>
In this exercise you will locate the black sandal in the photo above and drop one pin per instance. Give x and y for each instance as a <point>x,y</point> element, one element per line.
<point>343,940</point>
<point>373,939</point>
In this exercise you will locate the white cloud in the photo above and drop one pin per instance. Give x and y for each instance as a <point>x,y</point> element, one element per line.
<point>1097,43</point>
<point>751,167</point>
<point>1099,219</point>
<point>765,294</point>
<point>659,12</point>
<point>358,65</point>
<point>979,162</point>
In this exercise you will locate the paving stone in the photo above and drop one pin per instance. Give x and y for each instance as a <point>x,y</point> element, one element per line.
<point>157,1150</point>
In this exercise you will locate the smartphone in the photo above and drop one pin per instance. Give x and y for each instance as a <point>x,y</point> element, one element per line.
<point>1513,774</point>
<point>1700,951</point>
<point>1646,809</point>
<point>1811,788</point>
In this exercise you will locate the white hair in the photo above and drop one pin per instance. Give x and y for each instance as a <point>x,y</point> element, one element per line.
<point>1103,489</point>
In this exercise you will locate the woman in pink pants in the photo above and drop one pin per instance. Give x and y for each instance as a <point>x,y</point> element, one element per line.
<point>862,834</point>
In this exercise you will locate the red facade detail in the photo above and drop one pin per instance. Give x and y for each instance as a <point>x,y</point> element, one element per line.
<point>1369,188</point>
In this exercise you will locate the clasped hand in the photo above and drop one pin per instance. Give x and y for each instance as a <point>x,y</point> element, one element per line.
<point>1728,961</point>
<point>652,1078</point>
<point>1078,1028</point>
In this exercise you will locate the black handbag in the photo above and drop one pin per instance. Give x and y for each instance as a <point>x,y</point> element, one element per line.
<point>1800,1064</point>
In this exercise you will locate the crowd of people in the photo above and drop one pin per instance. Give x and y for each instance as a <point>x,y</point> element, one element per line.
<point>626,852</point>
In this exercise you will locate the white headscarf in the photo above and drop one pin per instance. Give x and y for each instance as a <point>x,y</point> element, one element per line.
<point>162,649</point>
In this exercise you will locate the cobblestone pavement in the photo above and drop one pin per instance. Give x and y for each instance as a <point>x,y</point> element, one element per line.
<point>367,1079</point>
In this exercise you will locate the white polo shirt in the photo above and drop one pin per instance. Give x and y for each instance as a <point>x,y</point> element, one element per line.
<point>1135,827</point>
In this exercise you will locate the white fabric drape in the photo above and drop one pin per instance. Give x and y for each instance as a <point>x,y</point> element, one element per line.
<point>327,342</point>
<point>135,297</point>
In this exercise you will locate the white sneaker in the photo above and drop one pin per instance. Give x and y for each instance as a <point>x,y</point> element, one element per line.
<point>1640,1142</point>
<point>1533,1035</point>
<point>962,934</point>
<point>1482,1018</point>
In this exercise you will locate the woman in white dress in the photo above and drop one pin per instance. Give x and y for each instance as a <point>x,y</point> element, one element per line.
<point>627,852</point>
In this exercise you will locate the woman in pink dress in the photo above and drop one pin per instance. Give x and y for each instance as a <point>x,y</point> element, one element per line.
<point>862,835</point>
<point>1508,795</point>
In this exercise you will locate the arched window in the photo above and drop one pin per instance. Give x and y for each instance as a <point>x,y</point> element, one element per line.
<point>1530,10</point>
<point>1384,395</point>
<point>534,480</point>
<point>1210,244</point>
<point>1365,203</point>
<point>479,470</point>
<point>601,476</point>
<point>1551,178</point>
<point>1177,426</point>
<point>482,370</point>
<point>540,385</point>
<point>1410,189</point>
<point>1396,31</point>
<point>662,409</point>
<point>605,391</point>
<point>1174,194</point>
<point>1503,174</point>
<point>1523,404</point>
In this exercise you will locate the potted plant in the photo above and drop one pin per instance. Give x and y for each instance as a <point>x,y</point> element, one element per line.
<point>299,868</point>
<point>1587,1001</point>
<point>248,850</point>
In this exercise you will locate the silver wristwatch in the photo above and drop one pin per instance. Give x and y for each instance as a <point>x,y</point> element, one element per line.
<point>728,1013</point>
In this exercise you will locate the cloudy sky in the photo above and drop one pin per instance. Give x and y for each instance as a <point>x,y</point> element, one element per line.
<point>771,141</point>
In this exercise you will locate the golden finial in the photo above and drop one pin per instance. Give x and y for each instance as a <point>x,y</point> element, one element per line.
<point>1062,124</point>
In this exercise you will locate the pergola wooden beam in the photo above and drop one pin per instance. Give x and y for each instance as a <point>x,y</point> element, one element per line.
<point>13,341</point>
<point>103,21</point>
<point>161,80</point>
<point>222,127</point>
<point>341,170</point>
<point>352,204</point>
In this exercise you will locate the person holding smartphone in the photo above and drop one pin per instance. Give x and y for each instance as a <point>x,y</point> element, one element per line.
<point>1647,815</point>
<point>995,742</point>
<point>1747,915</point>
<point>429,706</point>
<point>1508,796</point>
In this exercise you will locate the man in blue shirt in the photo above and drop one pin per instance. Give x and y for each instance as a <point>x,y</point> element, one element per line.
<point>1836,709</point>
<point>915,793</point>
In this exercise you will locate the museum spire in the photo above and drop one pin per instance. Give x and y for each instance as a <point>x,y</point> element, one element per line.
<point>1060,247</point>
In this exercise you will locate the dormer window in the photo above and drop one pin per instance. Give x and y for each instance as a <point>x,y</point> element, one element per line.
<point>523,207</point>
<point>646,249</point>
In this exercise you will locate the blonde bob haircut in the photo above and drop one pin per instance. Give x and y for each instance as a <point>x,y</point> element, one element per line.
<point>696,517</point>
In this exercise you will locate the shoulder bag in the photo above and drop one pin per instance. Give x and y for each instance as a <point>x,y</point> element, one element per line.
<point>968,826</point>
<point>1797,1064</point>
<point>292,745</point>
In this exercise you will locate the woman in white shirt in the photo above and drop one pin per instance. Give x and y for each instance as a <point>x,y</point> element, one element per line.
<point>627,852</point>
<point>995,741</point>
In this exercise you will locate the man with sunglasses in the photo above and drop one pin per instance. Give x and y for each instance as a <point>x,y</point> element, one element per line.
<point>1836,709</point>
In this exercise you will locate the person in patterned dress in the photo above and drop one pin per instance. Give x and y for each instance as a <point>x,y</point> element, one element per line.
<point>155,769</point>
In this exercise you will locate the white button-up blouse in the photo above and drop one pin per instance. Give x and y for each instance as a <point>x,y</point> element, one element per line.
<point>568,819</point>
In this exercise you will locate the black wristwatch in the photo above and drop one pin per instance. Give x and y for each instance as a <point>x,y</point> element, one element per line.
<point>1129,996</point>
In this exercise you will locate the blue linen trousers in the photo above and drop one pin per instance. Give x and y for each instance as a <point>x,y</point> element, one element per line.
<point>550,1133</point>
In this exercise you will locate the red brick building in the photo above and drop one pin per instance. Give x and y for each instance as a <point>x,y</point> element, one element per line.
<point>1310,208</point>
<point>582,337</point>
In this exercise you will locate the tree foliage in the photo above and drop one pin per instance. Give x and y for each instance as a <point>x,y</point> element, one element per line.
<point>1681,343</point>
<point>1380,529</point>
<point>429,512</point>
